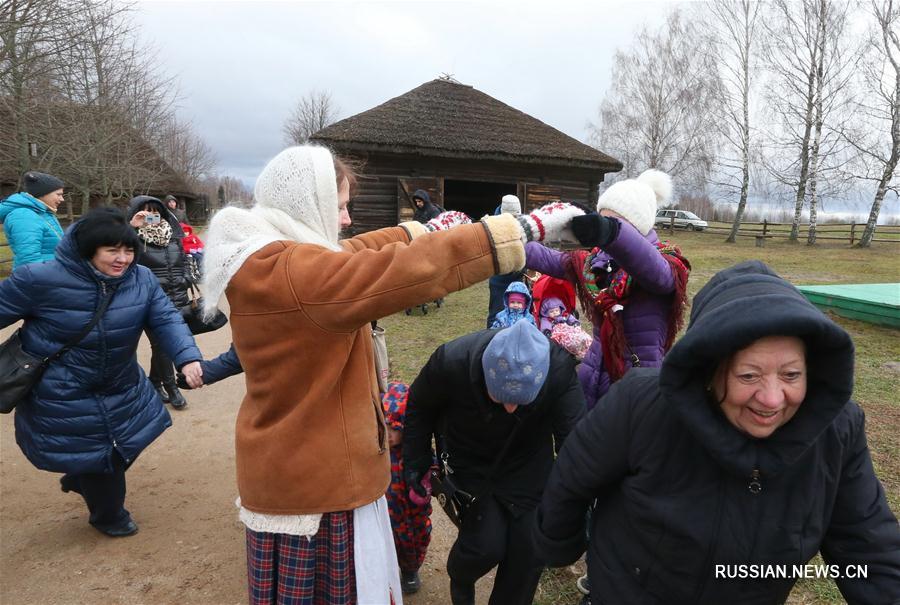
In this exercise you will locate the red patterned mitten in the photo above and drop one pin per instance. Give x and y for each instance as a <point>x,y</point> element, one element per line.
<point>550,222</point>
<point>448,220</point>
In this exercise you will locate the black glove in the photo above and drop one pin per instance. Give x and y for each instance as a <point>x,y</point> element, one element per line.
<point>414,482</point>
<point>593,230</point>
<point>587,209</point>
<point>181,381</point>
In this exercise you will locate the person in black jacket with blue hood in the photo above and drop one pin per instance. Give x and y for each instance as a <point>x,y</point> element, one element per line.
<point>742,457</point>
<point>503,401</point>
<point>93,411</point>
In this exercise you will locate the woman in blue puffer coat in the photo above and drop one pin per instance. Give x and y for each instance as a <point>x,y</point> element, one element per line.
<point>94,411</point>
<point>29,219</point>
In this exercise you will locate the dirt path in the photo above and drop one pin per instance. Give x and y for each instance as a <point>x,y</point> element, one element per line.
<point>181,491</point>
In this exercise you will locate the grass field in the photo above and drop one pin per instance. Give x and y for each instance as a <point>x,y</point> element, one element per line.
<point>5,255</point>
<point>411,339</point>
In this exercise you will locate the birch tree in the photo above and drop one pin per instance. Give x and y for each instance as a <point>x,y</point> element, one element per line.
<point>734,26</point>
<point>811,64</point>
<point>658,110</point>
<point>877,138</point>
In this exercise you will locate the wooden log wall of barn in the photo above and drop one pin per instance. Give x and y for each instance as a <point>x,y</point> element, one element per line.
<point>406,187</point>
<point>388,181</point>
<point>537,195</point>
<point>375,203</point>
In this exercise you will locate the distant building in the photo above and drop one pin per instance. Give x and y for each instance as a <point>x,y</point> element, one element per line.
<point>116,170</point>
<point>466,149</point>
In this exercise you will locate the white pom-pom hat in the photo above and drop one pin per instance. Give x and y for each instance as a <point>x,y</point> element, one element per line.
<point>636,200</point>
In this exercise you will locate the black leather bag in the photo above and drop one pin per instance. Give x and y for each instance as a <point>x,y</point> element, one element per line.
<point>20,370</point>
<point>192,313</point>
<point>455,501</point>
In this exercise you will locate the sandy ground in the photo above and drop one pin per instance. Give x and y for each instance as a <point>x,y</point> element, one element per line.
<point>181,492</point>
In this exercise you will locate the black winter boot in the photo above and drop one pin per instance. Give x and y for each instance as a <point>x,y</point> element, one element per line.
<point>175,397</point>
<point>410,582</point>
<point>462,594</point>
<point>163,394</point>
<point>69,483</point>
<point>126,527</point>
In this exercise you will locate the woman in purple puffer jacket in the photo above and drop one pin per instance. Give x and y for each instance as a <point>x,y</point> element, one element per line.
<point>632,286</point>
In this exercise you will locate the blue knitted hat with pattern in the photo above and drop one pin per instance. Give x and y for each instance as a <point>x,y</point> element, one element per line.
<point>515,363</point>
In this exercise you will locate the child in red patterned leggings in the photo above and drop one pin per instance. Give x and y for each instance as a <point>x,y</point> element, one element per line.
<point>411,522</point>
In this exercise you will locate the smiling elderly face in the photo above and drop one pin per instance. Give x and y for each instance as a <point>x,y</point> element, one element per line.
<point>763,385</point>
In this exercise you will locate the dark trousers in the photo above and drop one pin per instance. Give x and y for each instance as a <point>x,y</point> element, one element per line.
<point>104,493</point>
<point>490,535</point>
<point>161,369</point>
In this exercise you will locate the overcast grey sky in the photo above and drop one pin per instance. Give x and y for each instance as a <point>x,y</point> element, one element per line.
<point>242,65</point>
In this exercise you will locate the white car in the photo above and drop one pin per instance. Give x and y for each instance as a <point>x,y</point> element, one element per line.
<point>683,219</point>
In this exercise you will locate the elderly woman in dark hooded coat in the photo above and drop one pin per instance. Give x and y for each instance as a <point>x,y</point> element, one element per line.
<point>720,475</point>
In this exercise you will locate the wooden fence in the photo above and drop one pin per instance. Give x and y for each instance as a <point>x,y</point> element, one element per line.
<point>849,232</point>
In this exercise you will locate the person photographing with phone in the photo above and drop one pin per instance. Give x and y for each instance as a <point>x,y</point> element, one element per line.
<point>160,250</point>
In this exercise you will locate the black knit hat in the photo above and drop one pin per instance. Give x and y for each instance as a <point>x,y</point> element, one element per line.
<point>40,184</point>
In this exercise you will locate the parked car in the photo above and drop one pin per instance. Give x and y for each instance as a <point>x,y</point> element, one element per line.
<point>683,219</point>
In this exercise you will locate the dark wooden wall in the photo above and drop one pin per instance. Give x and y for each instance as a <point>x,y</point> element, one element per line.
<point>375,203</point>
<point>537,195</point>
<point>384,192</point>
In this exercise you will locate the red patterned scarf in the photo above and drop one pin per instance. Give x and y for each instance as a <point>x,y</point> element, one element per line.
<point>604,305</point>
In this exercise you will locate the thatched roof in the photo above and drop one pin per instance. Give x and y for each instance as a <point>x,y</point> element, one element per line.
<point>65,135</point>
<point>447,119</point>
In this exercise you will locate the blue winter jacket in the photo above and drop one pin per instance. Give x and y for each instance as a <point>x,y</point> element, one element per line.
<point>221,367</point>
<point>31,228</point>
<point>95,398</point>
<point>507,316</point>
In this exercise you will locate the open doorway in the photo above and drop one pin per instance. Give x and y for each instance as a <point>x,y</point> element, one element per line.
<point>475,198</point>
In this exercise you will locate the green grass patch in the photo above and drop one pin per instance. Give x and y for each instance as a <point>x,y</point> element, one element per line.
<point>412,339</point>
<point>5,256</point>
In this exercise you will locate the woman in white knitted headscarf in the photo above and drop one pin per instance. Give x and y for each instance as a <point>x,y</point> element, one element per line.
<point>312,457</point>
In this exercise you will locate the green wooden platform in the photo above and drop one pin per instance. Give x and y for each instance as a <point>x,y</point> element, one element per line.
<point>874,303</point>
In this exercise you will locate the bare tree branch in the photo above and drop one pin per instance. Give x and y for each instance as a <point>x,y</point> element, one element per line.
<point>312,113</point>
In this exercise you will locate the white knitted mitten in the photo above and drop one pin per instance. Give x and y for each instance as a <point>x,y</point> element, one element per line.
<point>448,220</point>
<point>550,222</point>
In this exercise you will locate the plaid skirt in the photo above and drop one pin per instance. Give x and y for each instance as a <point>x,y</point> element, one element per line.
<point>295,570</point>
